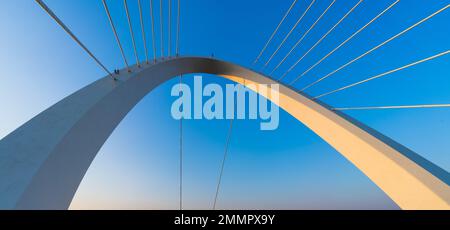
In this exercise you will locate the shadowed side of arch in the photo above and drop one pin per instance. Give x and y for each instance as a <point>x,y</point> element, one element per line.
<point>43,162</point>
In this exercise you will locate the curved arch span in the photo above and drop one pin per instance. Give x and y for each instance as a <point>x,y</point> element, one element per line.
<point>43,162</point>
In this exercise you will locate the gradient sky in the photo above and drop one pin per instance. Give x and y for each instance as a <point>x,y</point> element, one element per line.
<point>289,168</point>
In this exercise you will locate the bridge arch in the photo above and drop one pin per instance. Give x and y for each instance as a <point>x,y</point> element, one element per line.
<point>43,162</point>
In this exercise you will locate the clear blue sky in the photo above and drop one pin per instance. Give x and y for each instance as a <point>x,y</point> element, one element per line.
<point>290,168</point>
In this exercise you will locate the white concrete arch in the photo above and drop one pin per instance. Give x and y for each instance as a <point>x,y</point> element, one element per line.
<point>43,162</point>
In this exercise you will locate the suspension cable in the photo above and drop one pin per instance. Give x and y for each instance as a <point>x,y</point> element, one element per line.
<point>153,30</point>
<point>274,32</point>
<point>290,32</point>
<point>161,26</point>
<point>343,43</point>
<point>379,46</point>
<point>181,153</point>
<point>385,73</point>
<point>227,143</point>
<point>303,37</point>
<point>394,107</point>
<point>178,30</point>
<point>115,34</point>
<point>131,32</point>
<point>170,27</point>
<point>143,31</point>
<point>65,28</point>
<point>322,38</point>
